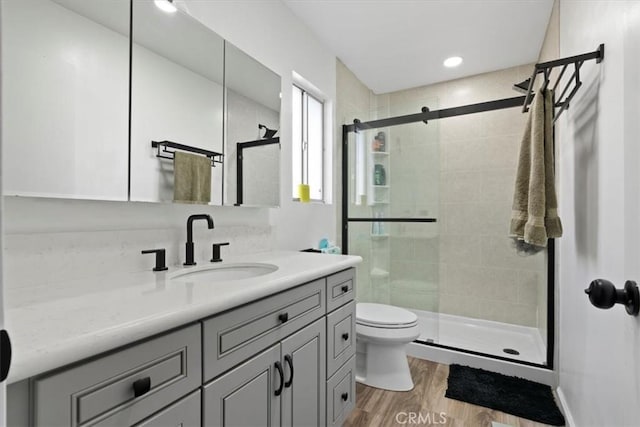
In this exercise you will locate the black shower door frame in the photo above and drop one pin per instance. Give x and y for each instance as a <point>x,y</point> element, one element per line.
<point>425,116</point>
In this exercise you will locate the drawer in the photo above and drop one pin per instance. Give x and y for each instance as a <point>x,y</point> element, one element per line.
<point>234,336</point>
<point>341,336</point>
<point>101,391</point>
<point>184,413</point>
<point>341,288</point>
<point>341,393</point>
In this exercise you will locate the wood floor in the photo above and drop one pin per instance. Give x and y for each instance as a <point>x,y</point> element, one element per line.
<point>375,407</point>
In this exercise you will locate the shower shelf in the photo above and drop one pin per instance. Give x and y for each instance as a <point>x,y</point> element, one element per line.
<point>379,273</point>
<point>379,236</point>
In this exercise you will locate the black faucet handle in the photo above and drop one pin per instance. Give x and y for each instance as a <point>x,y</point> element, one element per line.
<point>216,251</point>
<point>160,258</point>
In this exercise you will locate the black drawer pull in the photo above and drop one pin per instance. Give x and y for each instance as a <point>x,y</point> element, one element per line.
<point>283,317</point>
<point>289,360</point>
<point>345,289</point>
<point>141,386</point>
<point>345,336</point>
<point>345,396</point>
<point>278,391</point>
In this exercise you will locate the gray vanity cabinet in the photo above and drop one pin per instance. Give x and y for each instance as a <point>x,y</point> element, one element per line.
<point>184,413</point>
<point>245,396</point>
<point>124,387</point>
<point>254,394</point>
<point>286,360</point>
<point>303,401</point>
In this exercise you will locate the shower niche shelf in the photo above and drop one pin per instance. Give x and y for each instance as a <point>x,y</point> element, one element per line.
<point>379,236</point>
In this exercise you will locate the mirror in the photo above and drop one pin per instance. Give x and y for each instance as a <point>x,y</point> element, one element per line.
<point>252,149</point>
<point>65,97</point>
<point>177,96</point>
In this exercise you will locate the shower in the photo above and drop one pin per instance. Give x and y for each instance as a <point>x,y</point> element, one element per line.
<point>426,203</point>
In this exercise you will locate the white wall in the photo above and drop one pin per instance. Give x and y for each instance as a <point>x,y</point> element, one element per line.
<point>72,231</point>
<point>272,34</point>
<point>599,350</point>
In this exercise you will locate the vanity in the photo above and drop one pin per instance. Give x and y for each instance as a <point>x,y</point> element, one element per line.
<point>263,341</point>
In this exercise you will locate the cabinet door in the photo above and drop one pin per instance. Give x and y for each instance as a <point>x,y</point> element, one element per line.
<point>184,413</point>
<point>246,395</point>
<point>304,361</point>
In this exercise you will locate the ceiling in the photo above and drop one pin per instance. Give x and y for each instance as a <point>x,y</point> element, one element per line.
<point>399,44</point>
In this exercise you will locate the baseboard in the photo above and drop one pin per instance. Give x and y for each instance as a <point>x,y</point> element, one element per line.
<point>564,407</point>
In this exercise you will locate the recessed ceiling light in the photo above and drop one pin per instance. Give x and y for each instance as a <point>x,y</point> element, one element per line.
<point>166,6</point>
<point>454,61</point>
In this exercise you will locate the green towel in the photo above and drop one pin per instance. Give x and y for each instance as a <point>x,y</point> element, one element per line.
<point>192,178</point>
<point>534,217</point>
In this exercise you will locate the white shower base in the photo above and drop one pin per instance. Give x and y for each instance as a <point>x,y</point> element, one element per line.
<point>481,336</point>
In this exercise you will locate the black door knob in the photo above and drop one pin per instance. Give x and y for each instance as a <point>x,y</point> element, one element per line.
<point>283,317</point>
<point>345,396</point>
<point>345,336</point>
<point>603,294</point>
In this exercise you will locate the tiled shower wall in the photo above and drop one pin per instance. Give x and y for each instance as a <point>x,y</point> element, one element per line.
<point>464,264</point>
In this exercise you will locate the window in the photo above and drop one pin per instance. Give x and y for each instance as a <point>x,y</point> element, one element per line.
<point>308,143</point>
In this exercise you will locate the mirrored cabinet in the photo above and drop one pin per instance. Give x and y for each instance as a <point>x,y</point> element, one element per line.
<point>252,138</point>
<point>177,70</point>
<point>65,98</point>
<point>121,100</point>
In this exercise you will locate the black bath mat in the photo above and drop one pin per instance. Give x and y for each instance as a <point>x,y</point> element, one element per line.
<point>516,396</point>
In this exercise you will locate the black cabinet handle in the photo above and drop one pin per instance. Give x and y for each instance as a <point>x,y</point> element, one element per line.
<point>278,366</point>
<point>345,396</point>
<point>345,289</point>
<point>283,317</point>
<point>289,360</point>
<point>345,336</point>
<point>141,386</point>
<point>5,355</point>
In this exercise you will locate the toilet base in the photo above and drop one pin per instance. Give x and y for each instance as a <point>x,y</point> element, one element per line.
<point>383,366</point>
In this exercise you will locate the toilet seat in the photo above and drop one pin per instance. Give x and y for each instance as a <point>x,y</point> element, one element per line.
<point>384,316</point>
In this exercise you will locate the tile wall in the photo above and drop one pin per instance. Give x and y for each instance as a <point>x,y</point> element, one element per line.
<point>460,170</point>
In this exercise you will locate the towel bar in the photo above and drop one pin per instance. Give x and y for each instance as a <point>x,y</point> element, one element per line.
<point>164,153</point>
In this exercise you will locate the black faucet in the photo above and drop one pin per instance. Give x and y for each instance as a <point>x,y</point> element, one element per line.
<point>189,244</point>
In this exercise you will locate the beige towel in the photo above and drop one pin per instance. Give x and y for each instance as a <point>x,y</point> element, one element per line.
<point>192,178</point>
<point>534,217</point>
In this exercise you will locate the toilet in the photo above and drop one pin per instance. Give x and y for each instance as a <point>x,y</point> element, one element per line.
<point>382,333</point>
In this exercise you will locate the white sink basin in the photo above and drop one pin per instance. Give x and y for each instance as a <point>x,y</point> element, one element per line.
<point>225,272</point>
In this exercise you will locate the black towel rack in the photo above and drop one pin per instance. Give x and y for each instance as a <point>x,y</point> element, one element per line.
<point>164,151</point>
<point>545,68</point>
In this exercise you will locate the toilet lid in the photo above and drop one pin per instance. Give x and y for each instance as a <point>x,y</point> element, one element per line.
<point>381,315</point>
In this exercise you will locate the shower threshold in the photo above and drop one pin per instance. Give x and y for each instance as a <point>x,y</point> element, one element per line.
<point>482,336</point>
<point>480,344</point>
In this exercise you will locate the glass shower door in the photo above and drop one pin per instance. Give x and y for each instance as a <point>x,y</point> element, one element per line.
<point>392,218</point>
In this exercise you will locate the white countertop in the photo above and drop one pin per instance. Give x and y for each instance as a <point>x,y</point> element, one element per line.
<point>79,320</point>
